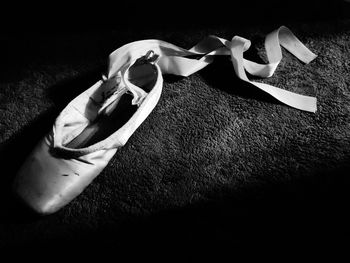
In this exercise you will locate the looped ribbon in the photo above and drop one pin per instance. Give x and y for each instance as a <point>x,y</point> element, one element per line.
<point>176,60</point>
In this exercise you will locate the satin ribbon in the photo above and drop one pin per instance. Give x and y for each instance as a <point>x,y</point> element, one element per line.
<point>176,60</point>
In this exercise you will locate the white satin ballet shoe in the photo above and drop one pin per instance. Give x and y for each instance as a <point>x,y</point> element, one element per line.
<point>87,134</point>
<point>93,126</point>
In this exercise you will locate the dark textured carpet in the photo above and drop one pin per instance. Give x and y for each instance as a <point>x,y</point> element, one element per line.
<point>218,168</point>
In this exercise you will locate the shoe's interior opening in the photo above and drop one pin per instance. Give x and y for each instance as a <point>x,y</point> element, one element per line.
<point>143,75</point>
<point>105,125</point>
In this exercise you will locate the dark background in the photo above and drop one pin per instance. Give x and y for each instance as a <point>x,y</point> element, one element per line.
<point>101,15</point>
<point>263,200</point>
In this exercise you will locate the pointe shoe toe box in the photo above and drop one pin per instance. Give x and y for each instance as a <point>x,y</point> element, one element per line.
<point>47,182</point>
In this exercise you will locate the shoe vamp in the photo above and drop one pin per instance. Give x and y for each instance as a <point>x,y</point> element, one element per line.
<point>47,182</point>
